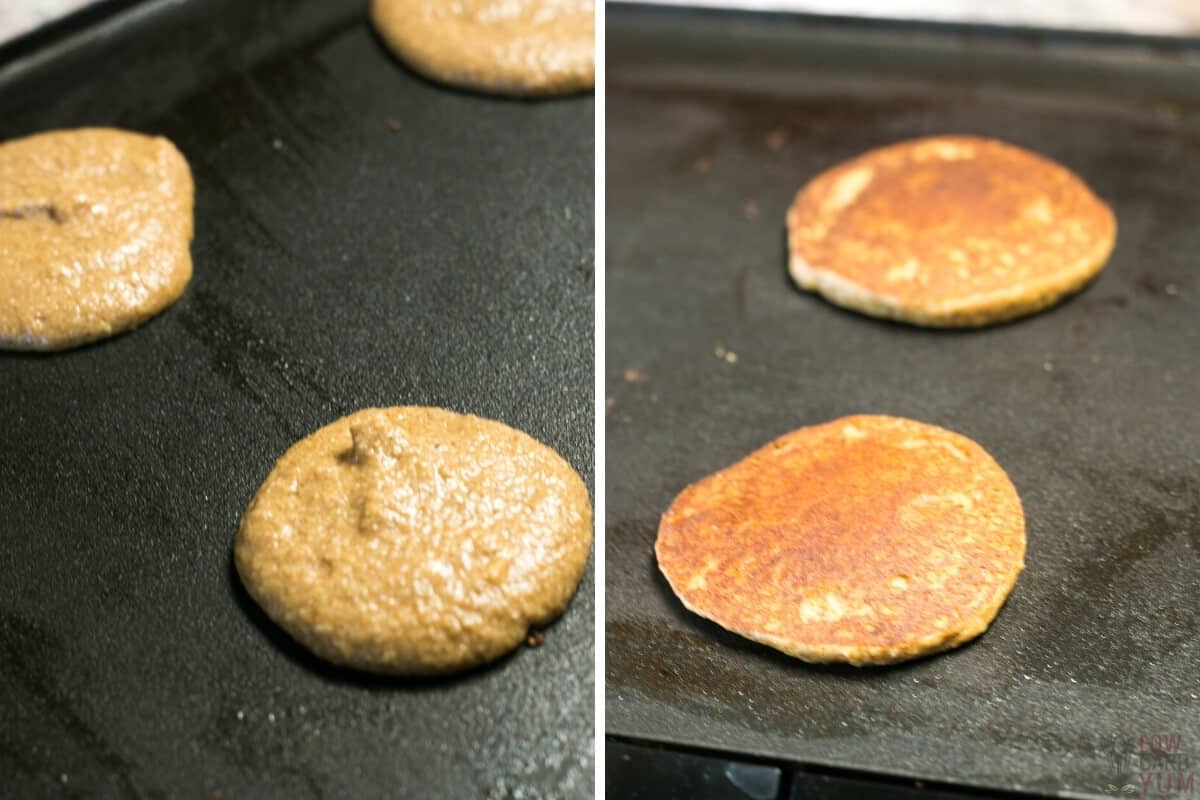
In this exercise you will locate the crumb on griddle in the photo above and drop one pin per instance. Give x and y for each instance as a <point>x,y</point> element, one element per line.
<point>393,125</point>
<point>635,376</point>
<point>536,639</point>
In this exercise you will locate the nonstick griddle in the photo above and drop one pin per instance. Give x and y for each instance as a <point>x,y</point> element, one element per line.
<point>363,238</point>
<point>714,120</point>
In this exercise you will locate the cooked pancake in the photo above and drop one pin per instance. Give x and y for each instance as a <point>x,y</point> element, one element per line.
<point>94,232</point>
<point>415,541</point>
<point>868,539</point>
<point>948,231</point>
<point>523,47</point>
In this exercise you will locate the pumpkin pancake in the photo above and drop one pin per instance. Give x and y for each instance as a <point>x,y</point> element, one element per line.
<point>415,541</point>
<point>869,539</point>
<point>95,225</point>
<point>948,231</point>
<point>522,47</point>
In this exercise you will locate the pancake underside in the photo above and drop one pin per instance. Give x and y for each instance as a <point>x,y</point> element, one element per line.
<point>868,655</point>
<point>982,309</point>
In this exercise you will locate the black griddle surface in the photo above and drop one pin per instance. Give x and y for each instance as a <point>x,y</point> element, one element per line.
<point>339,264</point>
<point>713,123</point>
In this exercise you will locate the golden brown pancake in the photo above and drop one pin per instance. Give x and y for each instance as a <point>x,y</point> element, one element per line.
<point>948,231</point>
<point>522,47</point>
<point>415,541</point>
<point>94,232</point>
<point>868,539</point>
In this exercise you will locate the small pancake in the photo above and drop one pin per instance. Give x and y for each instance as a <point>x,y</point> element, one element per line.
<point>94,232</point>
<point>415,541</point>
<point>869,539</point>
<point>948,231</point>
<point>521,47</point>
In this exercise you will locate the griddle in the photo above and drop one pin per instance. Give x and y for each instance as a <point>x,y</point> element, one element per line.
<point>714,120</point>
<point>363,238</point>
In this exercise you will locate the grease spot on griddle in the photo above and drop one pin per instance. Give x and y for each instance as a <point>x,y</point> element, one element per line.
<point>1154,512</point>
<point>1156,285</point>
<point>1118,301</point>
<point>27,656</point>
<point>248,363</point>
<point>756,121</point>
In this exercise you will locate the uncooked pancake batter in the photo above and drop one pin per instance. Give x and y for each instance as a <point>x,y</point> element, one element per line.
<point>94,232</point>
<point>415,541</point>
<point>505,46</point>
<point>948,231</point>
<point>869,539</point>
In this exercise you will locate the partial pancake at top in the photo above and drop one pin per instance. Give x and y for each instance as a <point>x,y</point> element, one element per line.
<point>95,226</point>
<point>506,46</point>
<point>869,539</point>
<point>948,231</point>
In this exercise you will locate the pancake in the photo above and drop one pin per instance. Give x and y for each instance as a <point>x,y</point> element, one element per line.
<point>869,540</point>
<point>94,232</point>
<point>521,47</point>
<point>948,231</point>
<point>415,541</point>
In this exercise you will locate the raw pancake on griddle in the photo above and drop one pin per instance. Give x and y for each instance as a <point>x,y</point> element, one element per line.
<point>415,541</point>
<point>95,225</point>
<point>948,231</point>
<point>869,539</point>
<point>522,47</point>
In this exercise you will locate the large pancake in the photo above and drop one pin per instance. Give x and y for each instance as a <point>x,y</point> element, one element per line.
<point>948,231</point>
<point>869,539</point>
<point>415,541</point>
